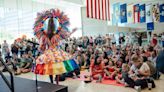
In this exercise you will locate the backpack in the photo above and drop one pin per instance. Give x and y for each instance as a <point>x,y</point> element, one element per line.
<point>152,67</point>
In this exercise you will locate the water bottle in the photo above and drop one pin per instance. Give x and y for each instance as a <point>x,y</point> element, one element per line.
<point>138,88</point>
<point>149,86</point>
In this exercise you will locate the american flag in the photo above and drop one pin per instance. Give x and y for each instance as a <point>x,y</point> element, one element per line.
<point>98,9</point>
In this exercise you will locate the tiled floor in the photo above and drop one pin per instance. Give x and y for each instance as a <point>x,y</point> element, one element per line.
<point>80,86</point>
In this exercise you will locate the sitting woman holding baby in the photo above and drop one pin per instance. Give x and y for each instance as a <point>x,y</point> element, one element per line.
<point>139,74</point>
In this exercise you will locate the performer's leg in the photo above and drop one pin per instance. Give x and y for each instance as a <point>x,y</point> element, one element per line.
<point>51,78</point>
<point>57,79</point>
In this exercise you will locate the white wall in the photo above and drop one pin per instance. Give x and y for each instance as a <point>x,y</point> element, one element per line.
<point>17,16</point>
<point>96,27</point>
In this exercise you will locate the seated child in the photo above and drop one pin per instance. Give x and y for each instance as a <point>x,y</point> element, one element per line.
<point>96,69</point>
<point>125,70</point>
<point>26,63</point>
<point>109,69</point>
<point>139,74</point>
<point>119,63</point>
<point>16,64</point>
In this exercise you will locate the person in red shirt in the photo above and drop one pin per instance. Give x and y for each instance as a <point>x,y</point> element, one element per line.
<point>96,68</point>
<point>109,69</point>
<point>154,40</point>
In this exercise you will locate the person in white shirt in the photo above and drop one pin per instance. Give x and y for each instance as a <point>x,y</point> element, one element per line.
<point>139,72</point>
<point>5,48</point>
<point>127,38</point>
<point>113,39</point>
<point>139,67</point>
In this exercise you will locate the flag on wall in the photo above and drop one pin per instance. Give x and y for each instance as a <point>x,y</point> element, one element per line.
<point>130,15</point>
<point>161,8</point>
<point>116,14</point>
<point>123,15</point>
<point>98,9</point>
<point>149,17</point>
<point>155,11</point>
<point>150,26</point>
<point>136,13</point>
<point>142,13</point>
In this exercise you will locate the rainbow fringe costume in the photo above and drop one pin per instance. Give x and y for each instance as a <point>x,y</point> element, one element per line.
<point>54,62</point>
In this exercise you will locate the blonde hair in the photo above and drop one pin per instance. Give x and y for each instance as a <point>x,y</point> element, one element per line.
<point>126,66</point>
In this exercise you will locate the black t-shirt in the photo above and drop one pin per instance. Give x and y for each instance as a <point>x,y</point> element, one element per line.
<point>14,49</point>
<point>28,49</point>
<point>140,38</point>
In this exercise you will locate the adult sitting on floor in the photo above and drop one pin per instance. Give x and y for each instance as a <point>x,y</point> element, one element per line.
<point>26,63</point>
<point>96,69</point>
<point>139,73</point>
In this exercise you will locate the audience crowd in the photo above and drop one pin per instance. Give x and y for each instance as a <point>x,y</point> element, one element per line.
<point>129,63</point>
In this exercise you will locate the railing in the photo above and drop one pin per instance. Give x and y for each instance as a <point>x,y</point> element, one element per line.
<point>11,86</point>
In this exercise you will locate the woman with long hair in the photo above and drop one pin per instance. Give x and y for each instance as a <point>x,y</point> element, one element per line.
<point>96,68</point>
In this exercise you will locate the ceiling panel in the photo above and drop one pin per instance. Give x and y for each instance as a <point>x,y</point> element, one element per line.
<point>80,2</point>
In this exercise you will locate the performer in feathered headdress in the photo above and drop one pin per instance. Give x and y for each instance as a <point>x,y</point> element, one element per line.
<point>50,28</point>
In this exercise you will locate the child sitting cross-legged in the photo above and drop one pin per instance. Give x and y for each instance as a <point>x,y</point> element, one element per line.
<point>109,69</point>
<point>124,73</point>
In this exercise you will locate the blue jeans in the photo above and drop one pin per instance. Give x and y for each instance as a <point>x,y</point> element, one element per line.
<point>162,43</point>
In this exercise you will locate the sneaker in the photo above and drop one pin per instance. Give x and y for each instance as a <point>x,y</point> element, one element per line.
<point>87,81</point>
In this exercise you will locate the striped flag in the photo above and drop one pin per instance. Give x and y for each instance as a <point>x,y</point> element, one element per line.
<point>123,14</point>
<point>116,14</point>
<point>142,13</point>
<point>130,13</point>
<point>161,13</point>
<point>98,9</point>
<point>136,13</point>
<point>155,11</point>
<point>149,17</point>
